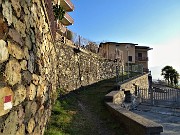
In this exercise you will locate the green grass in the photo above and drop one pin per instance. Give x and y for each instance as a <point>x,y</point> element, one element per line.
<point>83,112</point>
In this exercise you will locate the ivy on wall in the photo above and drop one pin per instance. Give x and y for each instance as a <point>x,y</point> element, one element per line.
<point>59,12</point>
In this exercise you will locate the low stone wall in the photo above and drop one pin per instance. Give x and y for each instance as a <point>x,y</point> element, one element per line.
<point>115,102</point>
<point>140,81</point>
<point>131,85</point>
<point>135,124</point>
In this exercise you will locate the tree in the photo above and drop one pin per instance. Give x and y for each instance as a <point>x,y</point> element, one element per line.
<point>170,75</point>
<point>176,78</point>
<point>166,73</point>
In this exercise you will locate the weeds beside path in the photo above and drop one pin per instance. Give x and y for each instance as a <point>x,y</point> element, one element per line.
<point>82,112</point>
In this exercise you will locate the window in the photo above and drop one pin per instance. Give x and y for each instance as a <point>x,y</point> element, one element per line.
<point>139,55</point>
<point>130,58</point>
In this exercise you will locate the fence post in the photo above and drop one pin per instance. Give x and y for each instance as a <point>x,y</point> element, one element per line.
<point>177,96</point>
<point>151,96</point>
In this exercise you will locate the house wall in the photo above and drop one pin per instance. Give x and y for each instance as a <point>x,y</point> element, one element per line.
<point>131,50</point>
<point>112,52</point>
<point>108,51</point>
<point>144,55</point>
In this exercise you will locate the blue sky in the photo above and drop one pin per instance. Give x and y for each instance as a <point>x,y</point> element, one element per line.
<point>155,23</point>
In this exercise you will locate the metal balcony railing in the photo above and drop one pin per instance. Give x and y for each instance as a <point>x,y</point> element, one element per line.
<point>141,58</point>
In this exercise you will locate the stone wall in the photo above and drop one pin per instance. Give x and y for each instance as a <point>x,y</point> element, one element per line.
<point>131,85</point>
<point>115,102</point>
<point>76,69</point>
<point>135,124</point>
<point>33,66</point>
<point>27,68</point>
<point>140,81</point>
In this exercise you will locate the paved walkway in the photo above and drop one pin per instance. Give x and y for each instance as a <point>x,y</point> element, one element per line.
<point>170,119</point>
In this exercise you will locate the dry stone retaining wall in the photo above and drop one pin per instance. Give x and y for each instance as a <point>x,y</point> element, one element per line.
<point>80,69</point>
<point>33,66</point>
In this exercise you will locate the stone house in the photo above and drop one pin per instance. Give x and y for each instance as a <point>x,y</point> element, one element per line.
<point>130,53</point>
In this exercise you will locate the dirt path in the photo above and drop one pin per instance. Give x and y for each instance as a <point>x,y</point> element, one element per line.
<point>97,123</point>
<point>83,112</point>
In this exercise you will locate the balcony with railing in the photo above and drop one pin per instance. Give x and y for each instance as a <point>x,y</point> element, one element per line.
<point>67,5</point>
<point>67,20</point>
<point>141,58</point>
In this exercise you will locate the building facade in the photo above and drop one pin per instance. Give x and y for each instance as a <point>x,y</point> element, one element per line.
<point>141,56</point>
<point>111,52</point>
<point>130,53</point>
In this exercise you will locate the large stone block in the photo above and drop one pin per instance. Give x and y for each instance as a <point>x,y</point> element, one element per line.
<point>3,51</point>
<point>31,91</point>
<point>27,20</point>
<point>35,79</point>
<point>37,130</point>
<point>31,125</point>
<point>3,29</point>
<point>23,64</point>
<point>42,88</point>
<point>12,72</point>
<point>19,26</point>
<point>7,11</point>
<point>28,42</point>
<point>21,114</point>
<point>15,50</point>
<point>13,34</point>
<point>25,6</point>
<point>26,53</point>
<point>10,125</point>
<point>30,110</point>
<point>39,113</point>
<point>31,62</point>
<point>26,77</point>
<point>17,7</point>
<point>34,108</point>
<point>21,130</point>
<point>32,36</point>
<point>19,94</point>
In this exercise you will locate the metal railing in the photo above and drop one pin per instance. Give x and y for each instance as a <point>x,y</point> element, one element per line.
<point>160,96</point>
<point>141,58</point>
<point>134,68</point>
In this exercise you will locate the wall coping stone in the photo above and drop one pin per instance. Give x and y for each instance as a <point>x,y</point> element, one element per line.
<point>145,126</point>
<point>109,97</point>
<point>130,79</point>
